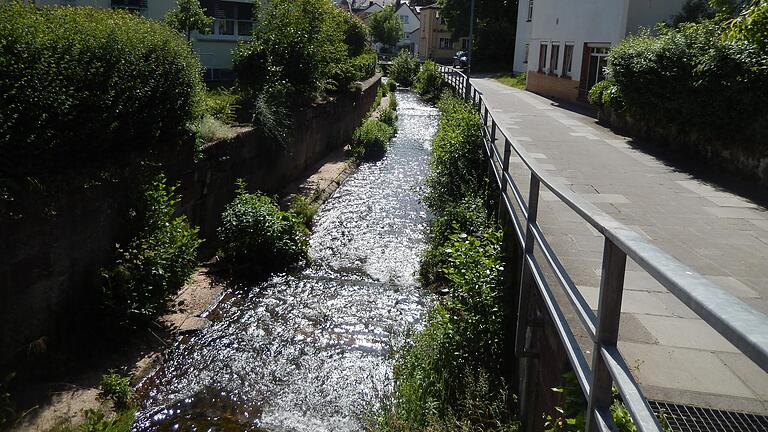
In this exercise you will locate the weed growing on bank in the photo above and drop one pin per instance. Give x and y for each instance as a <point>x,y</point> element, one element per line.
<point>448,377</point>
<point>258,238</point>
<point>155,264</point>
<point>429,82</point>
<point>371,139</point>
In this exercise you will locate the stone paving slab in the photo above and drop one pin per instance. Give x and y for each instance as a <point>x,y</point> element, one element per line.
<point>721,235</point>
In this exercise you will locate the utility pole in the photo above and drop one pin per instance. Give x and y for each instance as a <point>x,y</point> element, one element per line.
<point>469,54</point>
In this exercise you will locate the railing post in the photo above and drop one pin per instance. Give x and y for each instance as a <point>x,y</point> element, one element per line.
<point>608,317</point>
<point>524,304</point>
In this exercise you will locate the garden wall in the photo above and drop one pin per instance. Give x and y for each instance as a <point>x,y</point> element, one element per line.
<point>730,156</point>
<point>49,259</point>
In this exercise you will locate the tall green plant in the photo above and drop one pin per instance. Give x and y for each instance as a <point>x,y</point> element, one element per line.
<point>187,17</point>
<point>151,268</point>
<point>258,238</point>
<point>404,68</point>
<point>429,82</point>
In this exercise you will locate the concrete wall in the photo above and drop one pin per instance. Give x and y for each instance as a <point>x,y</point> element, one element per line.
<point>646,13</point>
<point>50,259</point>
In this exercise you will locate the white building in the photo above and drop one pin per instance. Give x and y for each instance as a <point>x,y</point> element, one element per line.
<point>562,44</point>
<point>233,23</point>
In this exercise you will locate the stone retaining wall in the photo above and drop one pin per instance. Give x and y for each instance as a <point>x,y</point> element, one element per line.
<point>49,258</point>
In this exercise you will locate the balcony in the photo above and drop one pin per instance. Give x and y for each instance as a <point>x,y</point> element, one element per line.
<point>229,29</point>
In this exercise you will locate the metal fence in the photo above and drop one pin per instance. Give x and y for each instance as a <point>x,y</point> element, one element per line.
<point>742,326</point>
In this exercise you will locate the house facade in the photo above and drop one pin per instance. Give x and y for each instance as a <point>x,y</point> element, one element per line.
<point>233,22</point>
<point>435,38</point>
<point>562,45</point>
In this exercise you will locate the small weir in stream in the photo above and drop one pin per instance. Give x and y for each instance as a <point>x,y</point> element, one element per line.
<point>312,351</point>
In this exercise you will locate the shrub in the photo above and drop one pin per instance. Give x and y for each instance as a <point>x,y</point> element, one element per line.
<point>449,377</point>
<point>388,117</point>
<point>393,101</point>
<point>606,94</point>
<point>221,104</point>
<point>89,84</point>
<point>117,388</point>
<point>370,140</point>
<point>690,80</point>
<point>403,68</point>
<point>257,237</point>
<point>429,82</point>
<point>156,263</point>
<point>392,85</point>
<point>458,164</point>
<point>303,50</point>
<point>304,209</point>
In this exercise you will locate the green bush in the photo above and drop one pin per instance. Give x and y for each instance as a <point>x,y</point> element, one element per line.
<point>303,50</point>
<point>449,378</point>
<point>469,216</point>
<point>370,140</point>
<point>403,68</point>
<point>89,84</point>
<point>692,80</point>
<point>304,209</point>
<point>117,388</point>
<point>212,129</point>
<point>458,164</point>
<point>606,94</point>
<point>393,101</point>
<point>258,238</point>
<point>98,421</point>
<point>388,117</point>
<point>429,82</point>
<point>156,263</point>
<point>221,104</point>
<point>392,85</point>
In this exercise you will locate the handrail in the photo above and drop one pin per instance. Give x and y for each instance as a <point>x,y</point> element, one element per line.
<point>741,325</point>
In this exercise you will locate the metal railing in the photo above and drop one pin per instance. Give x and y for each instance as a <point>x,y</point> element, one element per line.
<point>742,326</point>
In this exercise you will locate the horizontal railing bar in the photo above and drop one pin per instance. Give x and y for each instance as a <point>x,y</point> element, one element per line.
<point>583,311</point>
<point>642,414</point>
<point>572,349</point>
<point>743,326</point>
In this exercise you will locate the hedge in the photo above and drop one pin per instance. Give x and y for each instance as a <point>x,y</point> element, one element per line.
<point>694,81</point>
<point>83,83</point>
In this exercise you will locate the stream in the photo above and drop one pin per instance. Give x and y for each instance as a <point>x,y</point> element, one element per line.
<point>312,351</point>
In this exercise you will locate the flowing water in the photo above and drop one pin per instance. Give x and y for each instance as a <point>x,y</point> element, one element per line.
<point>312,351</point>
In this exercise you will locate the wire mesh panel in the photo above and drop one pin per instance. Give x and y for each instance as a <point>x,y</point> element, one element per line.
<point>685,418</point>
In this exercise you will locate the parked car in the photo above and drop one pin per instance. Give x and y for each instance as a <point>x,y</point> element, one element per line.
<point>460,59</point>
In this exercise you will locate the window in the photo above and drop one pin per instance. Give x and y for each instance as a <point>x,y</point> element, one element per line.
<point>567,60</point>
<point>230,18</point>
<point>446,43</point>
<point>465,44</point>
<point>598,60</point>
<point>553,60</point>
<point>138,6</point>
<point>542,57</point>
<point>530,10</point>
<point>404,19</point>
<point>527,51</point>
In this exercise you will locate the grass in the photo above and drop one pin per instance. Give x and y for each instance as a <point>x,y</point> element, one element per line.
<point>213,129</point>
<point>512,80</point>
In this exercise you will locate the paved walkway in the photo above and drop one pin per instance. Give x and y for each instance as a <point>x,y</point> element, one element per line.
<point>676,356</point>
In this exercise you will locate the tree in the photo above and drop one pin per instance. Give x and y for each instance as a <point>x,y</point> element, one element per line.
<point>187,17</point>
<point>386,27</point>
<point>495,28</point>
